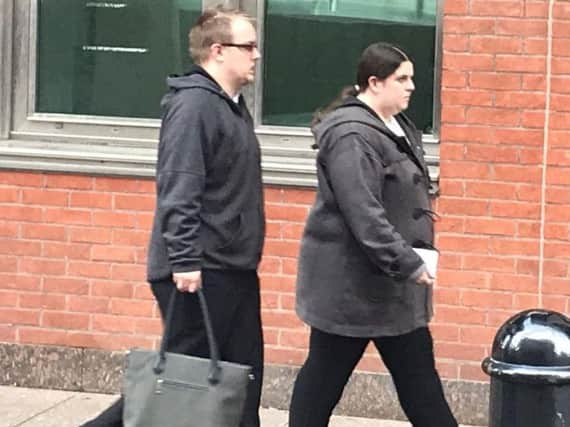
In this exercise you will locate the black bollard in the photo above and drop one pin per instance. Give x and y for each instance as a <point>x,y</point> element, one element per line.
<point>530,371</point>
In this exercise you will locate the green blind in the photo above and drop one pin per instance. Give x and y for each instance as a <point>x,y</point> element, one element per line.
<point>311,50</point>
<point>110,58</point>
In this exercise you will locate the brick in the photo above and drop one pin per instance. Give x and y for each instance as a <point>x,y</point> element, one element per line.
<point>292,231</point>
<point>20,247</point>
<point>472,373</point>
<point>533,82</point>
<point>134,202</point>
<point>123,185</point>
<point>67,216</point>
<point>281,248</point>
<point>132,308</point>
<point>144,220</point>
<point>75,251</point>
<point>154,327</point>
<point>558,213</point>
<point>488,263</point>
<point>536,9</point>
<point>294,338</point>
<point>514,282</point>
<point>90,234</point>
<point>469,61</point>
<point>42,266</point>
<point>529,193</point>
<point>465,244</point>
<point>12,316</point>
<point>9,195</point>
<point>555,303</point>
<point>444,332</point>
<point>270,265</point>
<point>445,296</point>
<point>298,197</point>
<point>560,65</point>
<point>288,213</point>
<point>33,196</point>
<point>282,319</point>
<point>114,219</point>
<point>494,81</point>
<point>69,181</point>
<point>455,42</point>
<point>21,179</point>
<point>115,254</point>
<point>64,285</point>
<point>522,27</point>
<point>287,302</point>
<point>496,8</point>
<point>452,188</point>
<point>514,210</point>
<point>528,230</point>
<point>64,320</point>
<point>111,323</point>
<point>467,97</point>
<point>463,279</point>
<point>130,237</point>
<point>7,333</point>
<point>19,282</point>
<point>561,29</point>
<point>477,298</point>
<point>42,336</point>
<point>46,301</point>
<point>516,174</point>
<point>43,231</point>
<point>524,301</point>
<point>491,153</point>
<point>490,190</point>
<point>90,199</point>
<point>450,261</point>
<point>466,133</point>
<point>530,100</point>
<point>478,335</point>
<point>561,10</point>
<point>273,194</point>
<point>527,266</point>
<point>447,370</point>
<point>537,46</point>
<point>285,356</point>
<point>21,213</point>
<point>289,266</point>
<point>468,25</point>
<point>452,114</point>
<point>560,102</point>
<point>8,299</point>
<point>494,44</point>
<point>561,47</point>
<point>556,250</point>
<point>451,151</point>
<point>459,351</point>
<point>87,304</point>
<point>455,7</point>
<point>8,264</point>
<point>463,207</point>
<point>558,175</point>
<point>503,246</point>
<point>452,78</point>
<point>556,231</point>
<point>90,270</point>
<point>554,268</point>
<point>531,156</point>
<point>522,64</point>
<point>557,286</point>
<point>118,289</point>
<point>9,229</point>
<point>143,292</point>
<point>492,116</point>
<point>456,169</point>
<point>128,272</point>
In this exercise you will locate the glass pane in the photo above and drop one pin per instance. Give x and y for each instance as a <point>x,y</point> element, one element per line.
<point>110,58</point>
<point>312,47</point>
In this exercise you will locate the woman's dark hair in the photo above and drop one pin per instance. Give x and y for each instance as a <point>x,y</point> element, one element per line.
<point>380,60</point>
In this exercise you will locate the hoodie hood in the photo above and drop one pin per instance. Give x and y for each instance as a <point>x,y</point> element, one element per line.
<point>196,78</point>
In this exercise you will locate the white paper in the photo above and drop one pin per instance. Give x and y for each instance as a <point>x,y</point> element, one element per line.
<point>430,258</point>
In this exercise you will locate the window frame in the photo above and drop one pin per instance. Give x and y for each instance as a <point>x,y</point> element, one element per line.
<point>127,146</point>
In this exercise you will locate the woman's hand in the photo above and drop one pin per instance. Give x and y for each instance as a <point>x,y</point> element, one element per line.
<point>190,281</point>
<point>425,279</point>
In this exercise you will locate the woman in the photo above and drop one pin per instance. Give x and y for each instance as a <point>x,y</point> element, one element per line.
<point>359,276</point>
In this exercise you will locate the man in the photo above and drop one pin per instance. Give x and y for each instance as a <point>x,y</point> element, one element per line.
<point>208,228</point>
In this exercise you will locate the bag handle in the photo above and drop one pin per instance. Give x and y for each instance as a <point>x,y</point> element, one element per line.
<point>215,370</point>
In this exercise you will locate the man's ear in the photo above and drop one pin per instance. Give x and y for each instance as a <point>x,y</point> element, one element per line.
<point>216,52</point>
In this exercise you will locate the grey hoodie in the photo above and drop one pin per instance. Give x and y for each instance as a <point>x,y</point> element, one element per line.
<point>357,268</point>
<point>209,211</point>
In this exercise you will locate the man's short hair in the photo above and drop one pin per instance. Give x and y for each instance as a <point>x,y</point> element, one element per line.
<point>213,26</point>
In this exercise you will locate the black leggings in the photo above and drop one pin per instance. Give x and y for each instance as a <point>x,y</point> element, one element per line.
<point>332,358</point>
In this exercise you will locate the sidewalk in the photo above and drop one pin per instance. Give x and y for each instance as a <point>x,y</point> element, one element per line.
<point>28,407</point>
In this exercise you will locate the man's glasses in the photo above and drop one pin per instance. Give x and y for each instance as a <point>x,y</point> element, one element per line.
<point>250,47</point>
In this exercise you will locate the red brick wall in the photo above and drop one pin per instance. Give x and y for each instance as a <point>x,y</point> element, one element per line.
<point>73,247</point>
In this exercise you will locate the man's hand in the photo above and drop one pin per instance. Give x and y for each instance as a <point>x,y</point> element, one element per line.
<point>425,279</point>
<point>190,281</point>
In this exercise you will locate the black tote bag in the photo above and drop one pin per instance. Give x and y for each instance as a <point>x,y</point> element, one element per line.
<point>164,389</point>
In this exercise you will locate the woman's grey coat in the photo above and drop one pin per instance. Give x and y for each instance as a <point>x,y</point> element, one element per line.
<point>357,268</point>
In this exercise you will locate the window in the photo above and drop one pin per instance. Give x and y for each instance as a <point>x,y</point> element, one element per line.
<point>81,80</point>
<point>312,48</point>
<point>108,58</point>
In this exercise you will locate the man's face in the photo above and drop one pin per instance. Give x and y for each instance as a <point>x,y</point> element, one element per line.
<point>240,55</point>
<point>397,88</point>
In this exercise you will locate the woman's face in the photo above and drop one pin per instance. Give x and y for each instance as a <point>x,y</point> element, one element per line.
<point>395,91</point>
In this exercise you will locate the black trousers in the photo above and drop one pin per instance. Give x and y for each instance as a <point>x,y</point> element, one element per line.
<point>332,358</point>
<point>235,309</point>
